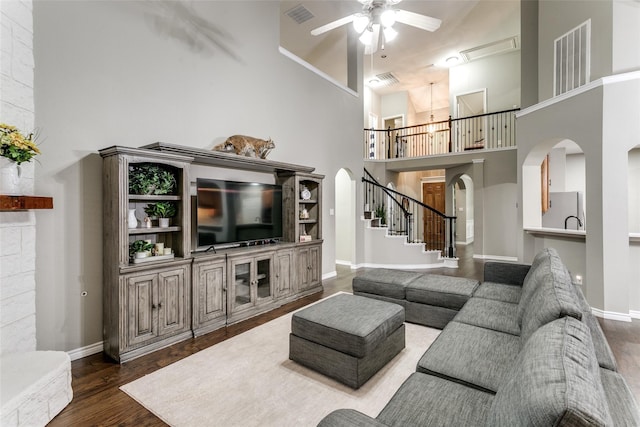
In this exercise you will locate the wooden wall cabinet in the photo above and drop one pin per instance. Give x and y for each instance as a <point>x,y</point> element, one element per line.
<point>148,305</point>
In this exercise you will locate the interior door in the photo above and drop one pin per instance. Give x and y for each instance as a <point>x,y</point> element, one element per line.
<point>433,195</point>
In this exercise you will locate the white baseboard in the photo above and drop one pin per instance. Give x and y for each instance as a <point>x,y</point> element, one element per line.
<point>81,352</point>
<point>611,315</point>
<point>342,262</point>
<point>496,257</point>
<point>329,275</point>
<point>635,314</point>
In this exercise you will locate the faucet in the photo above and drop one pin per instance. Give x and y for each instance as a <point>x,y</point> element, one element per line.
<point>572,216</point>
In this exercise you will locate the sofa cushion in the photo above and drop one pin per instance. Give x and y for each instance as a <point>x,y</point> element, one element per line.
<point>490,314</point>
<point>383,281</point>
<point>555,380</point>
<point>473,356</point>
<point>605,356</point>
<point>533,277</point>
<point>553,298</point>
<point>623,408</point>
<point>425,400</point>
<point>441,291</point>
<point>347,323</point>
<point>499,292</point>
<point>508,273</point>
<point>349,418</point>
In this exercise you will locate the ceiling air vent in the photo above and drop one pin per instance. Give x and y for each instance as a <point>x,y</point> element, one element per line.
<point>501,46</point>
<point>299,14</point>
<point>387,79</point>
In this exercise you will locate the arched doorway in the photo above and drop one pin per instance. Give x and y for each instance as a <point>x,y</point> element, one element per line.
<point>345,217</point>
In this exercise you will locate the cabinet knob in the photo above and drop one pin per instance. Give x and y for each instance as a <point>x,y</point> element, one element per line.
<point>153,306</point>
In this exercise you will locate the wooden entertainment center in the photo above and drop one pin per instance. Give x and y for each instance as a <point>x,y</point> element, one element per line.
<point>151,305</point>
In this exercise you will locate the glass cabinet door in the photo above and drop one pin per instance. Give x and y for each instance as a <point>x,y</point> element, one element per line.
<point>242,277</point>
<point>263,278</point>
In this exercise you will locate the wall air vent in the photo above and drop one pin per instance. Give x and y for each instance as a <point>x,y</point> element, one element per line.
<point>299,14</point>
<point>387,79</point>
<point>501,46</point>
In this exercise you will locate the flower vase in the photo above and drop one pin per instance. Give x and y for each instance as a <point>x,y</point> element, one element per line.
<point>131,219</point>
<point>10,174</point>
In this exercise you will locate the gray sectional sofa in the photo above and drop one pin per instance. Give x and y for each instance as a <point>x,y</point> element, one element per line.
<point>524,350</point>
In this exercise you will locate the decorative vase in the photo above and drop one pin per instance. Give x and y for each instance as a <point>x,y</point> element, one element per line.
<point>10,174</point>
<point>163,222</point>
<point>131,219</point>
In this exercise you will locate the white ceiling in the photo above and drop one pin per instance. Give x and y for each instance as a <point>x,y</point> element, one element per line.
<point>416,56</point>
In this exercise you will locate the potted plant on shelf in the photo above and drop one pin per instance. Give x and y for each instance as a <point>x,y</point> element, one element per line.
<point>150,178</point>
<point>140,249</point>
<point>161,210</point>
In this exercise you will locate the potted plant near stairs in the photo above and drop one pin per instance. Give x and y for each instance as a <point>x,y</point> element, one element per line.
<point>380,219</point>
<point>161,210</point>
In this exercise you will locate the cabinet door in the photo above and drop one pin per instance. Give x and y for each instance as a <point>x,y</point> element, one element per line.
<point>209,302</point>
<point>262,282</point>
<point>283,281</point>
<point>240,285</point>
<point>308,267</point>
<point>172,302</point>
<point>140,316</point>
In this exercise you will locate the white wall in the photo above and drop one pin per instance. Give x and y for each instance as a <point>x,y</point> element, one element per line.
<point>634,191</point>
<point>17,229</point>
<point>499,74</point>
<point>345,214</point>
<point>626,49</point>
<point>191,73</point>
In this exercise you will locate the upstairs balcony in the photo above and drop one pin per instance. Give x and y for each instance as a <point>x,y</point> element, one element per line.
<point>488,131</point>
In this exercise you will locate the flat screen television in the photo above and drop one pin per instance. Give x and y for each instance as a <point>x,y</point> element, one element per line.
<point>230,212</point>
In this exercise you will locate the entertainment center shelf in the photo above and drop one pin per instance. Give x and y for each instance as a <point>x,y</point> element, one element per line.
<point>151,305</point>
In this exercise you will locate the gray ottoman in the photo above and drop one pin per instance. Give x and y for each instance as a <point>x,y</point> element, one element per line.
<point>347,337</point>
<point>434,300</point>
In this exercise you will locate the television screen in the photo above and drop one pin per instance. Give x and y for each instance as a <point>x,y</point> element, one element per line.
<point>237,212</point>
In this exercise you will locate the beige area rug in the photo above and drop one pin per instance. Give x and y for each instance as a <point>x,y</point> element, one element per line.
<point>248,380</point>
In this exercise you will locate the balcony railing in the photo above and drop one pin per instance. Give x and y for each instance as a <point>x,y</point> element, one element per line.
<point>481,132</point>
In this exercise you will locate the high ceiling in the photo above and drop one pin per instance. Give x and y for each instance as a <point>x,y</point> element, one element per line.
<point>416,57</point>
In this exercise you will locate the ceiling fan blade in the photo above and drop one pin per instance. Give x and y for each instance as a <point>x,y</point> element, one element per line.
<point>331,25</point>
<point>419,21</point>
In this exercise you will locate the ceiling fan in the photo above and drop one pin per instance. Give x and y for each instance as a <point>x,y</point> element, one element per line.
<point>375,23</point>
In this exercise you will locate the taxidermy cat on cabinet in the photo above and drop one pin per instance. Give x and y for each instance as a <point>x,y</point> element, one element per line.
<point>249,146</point>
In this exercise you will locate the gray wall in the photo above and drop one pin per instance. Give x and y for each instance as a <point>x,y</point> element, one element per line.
<point>499,74</point>
<point>561,16</point>
<point>132,73</point>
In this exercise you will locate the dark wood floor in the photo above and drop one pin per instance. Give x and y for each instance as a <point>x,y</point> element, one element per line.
<point>98,401</point>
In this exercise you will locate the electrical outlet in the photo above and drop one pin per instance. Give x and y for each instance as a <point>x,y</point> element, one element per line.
<point>578,280</point>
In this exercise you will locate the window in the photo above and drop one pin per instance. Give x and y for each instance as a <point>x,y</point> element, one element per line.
<point>572,59</point>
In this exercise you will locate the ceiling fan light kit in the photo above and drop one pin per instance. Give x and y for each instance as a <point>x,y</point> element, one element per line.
<point>376,14</point>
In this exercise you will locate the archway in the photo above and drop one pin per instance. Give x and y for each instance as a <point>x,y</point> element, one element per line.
<point>554,186</point>
<point>345,217</point>
<point>462,187</point>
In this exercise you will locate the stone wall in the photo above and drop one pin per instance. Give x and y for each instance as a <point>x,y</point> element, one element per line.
<point>17,229</point>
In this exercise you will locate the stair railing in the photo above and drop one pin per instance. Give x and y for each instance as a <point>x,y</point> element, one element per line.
<point>480,132</point>
<point>406,216</point>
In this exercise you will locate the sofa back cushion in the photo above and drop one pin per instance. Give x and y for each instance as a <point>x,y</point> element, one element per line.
<point>532,279</point>
<point>555,381</point>
<point>553,297</point>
